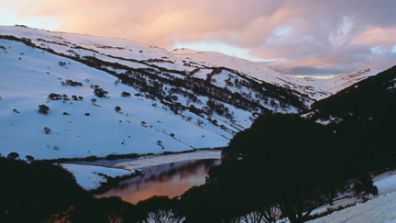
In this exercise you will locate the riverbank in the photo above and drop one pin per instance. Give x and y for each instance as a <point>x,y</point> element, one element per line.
<point>99,175</point>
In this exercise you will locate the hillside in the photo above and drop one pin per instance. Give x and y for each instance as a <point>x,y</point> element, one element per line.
<point>359,103</point>
<point>110,96</point>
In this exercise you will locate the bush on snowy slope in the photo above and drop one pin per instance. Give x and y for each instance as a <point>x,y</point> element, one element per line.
<point>13,156</point>
<point>43,109</point>
<point>72,83</point>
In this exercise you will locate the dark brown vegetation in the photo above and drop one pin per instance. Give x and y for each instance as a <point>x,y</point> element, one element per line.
<point>43,109</point>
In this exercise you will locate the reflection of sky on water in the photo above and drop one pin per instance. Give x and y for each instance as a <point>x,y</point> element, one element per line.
<point>164,180</point>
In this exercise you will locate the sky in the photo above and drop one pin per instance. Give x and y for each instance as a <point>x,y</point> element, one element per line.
<point>293,36</point>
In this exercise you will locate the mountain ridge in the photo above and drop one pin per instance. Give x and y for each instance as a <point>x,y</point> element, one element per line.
<point>142,93</point>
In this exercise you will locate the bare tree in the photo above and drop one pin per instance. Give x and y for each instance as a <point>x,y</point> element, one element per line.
<point>163,216</point>
<point>265,215</point>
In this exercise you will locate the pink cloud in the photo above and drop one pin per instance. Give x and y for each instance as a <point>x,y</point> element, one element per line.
<point>377,36</point>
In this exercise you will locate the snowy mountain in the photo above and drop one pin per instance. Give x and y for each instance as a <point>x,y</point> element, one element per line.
<point>67,95</point>
<point>368,103</point>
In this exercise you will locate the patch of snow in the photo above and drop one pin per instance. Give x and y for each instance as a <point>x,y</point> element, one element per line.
<point>166,159</point>
<point>378,210</point>
<point>323,121</point>
<point>202,73</point>
<point>386,183</point>
<point>91,177</point>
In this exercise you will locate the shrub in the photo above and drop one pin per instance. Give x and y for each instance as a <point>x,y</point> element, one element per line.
<point>29,158</point>
<point>47,130</point>
<point>55,97</point>
<point>160,144</point>
<point>99,92</point>
<point>43,109</point>
<point>73,83</point>
<point>125,94</point>
<point>65,97</point>
<point>117,109</point>
<point>77,98</point>
<point>13,156</point>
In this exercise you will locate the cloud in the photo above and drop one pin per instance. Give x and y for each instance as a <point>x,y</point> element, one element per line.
<point>219,47</point>
<point>296,35</point>
<point>377,36</point>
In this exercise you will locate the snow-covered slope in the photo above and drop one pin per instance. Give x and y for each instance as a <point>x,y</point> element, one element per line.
<point>378,210</point>
<point>189,62</point>
<point>327,85</point>
<point>80,128</point>
<point>316,87</point>
<point>381,209</point>
<point>112,96</point>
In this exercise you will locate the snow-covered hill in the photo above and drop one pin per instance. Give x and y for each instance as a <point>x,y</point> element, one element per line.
<point>110,96</point>
<point>87,126</point>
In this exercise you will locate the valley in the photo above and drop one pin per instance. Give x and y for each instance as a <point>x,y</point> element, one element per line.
<point>125,128</point>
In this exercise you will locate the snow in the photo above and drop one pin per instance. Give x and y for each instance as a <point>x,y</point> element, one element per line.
<point>386,183</point>
<point>331,84</point>
<point>166,159</point>
<point>91,177</point>
<point>202,73</point>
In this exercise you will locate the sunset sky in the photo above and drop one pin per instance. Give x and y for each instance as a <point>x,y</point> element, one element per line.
<point>295,36</point>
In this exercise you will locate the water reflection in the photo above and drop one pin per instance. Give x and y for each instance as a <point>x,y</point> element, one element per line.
<point>165,180</point>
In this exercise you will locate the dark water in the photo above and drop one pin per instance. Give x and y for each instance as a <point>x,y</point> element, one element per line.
<point>165,180</point>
